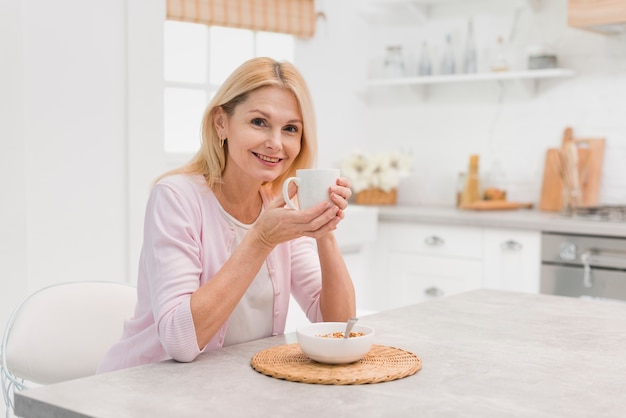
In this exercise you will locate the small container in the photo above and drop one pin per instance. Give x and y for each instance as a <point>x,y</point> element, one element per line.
<point>540,57</point>
<point>542,62</point>
<point>394,62</point>
<point>499,61</point>
<point>494,183</point>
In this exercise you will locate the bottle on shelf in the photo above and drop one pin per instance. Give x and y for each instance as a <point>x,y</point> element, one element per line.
<point>425,67</point>
<point>471,192</point>
<point>499,62</point>
<point>448,65</point>
<point>394,61</point>
<point>469,57</point>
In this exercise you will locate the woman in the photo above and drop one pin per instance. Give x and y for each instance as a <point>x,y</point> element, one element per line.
<point>221,252</point>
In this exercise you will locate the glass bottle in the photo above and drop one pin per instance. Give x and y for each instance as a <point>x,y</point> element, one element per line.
<point>447,62</point>
<point>471,193</point>
<point>394,61</point>
<point>425,67</point>
<point>469,58</point>
<point>494,183</point>
<point>499,63</point>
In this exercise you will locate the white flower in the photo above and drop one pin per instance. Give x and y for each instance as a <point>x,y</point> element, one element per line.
<point>381,170</point>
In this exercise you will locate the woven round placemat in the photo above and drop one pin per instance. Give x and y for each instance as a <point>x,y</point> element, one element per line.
<point>380,364</point>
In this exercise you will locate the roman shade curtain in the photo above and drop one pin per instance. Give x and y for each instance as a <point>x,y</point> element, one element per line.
<point>295,17</point>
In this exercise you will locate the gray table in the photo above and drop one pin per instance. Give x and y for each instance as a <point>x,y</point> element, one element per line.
<point>485,353</point>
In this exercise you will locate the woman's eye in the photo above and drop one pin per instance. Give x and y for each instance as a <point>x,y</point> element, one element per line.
<point>258,122</point>
<point>291,128</point>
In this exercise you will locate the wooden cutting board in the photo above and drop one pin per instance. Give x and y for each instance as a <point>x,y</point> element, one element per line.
<point>496,205</point>
<point>552,187</point>
<point>590,157</point>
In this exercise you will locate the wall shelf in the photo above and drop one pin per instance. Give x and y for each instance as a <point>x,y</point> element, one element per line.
<point>470,78</point>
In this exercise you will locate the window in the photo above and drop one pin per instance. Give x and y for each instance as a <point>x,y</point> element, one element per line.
<point>198,58</point>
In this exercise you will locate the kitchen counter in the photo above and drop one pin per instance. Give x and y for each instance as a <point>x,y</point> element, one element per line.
<point>485,353</point>
<point>518,219</point>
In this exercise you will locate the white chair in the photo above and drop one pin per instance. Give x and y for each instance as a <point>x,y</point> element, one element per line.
<point>61,332</point>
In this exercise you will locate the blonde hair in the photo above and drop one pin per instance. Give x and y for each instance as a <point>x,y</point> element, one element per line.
<point>253,74</point>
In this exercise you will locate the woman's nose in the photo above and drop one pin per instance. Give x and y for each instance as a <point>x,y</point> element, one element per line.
<point>274,141</point>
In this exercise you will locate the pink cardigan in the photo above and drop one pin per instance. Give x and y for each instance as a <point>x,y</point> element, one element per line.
<point>186,241</point>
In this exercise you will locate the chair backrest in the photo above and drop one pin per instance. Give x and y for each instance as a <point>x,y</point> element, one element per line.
<point>62,332</point>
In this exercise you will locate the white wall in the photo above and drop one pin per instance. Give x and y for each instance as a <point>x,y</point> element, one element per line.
<point>63,137</point>
<point>63,164</point>
<point>146,159</point>
<point>12,163</point>
<point>331,63</point>
<point>74,137</point>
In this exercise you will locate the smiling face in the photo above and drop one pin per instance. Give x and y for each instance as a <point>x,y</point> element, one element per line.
<point>263,135</point>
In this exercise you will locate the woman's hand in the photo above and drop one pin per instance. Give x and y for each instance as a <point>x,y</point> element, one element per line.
<point>340,193</point>
<point>279,224</point>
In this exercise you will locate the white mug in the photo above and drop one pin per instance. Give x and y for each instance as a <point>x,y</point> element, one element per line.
<point>313,185</point>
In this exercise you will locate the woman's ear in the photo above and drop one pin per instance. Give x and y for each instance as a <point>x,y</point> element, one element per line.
<point>219,121</point>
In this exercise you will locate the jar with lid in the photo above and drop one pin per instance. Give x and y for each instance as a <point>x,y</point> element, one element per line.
<point>394,61</point>
<point>494,184</point>
<point>499,62</point>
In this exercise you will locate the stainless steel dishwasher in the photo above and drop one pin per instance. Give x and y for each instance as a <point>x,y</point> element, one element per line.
<point>583,266</point>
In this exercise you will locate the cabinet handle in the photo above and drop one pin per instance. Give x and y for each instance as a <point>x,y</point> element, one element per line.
<point>587,280</point>
<point>433,291</point>
<point>434,241</point>
<point>511,245</point>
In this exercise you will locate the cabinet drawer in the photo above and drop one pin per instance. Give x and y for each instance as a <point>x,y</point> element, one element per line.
<point>512,259</point>
<point>418,278</point>
<point>438,240</point>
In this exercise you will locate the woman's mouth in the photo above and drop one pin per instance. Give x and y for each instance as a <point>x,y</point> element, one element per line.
<point>268,159</point>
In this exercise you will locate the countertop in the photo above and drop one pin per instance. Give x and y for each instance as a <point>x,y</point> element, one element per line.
<point>485,353</point>
<point>518,219</point>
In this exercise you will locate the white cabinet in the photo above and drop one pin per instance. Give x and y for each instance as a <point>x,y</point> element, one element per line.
<point>418,262</point>
<point>415,262</point>
<point>512,259</point>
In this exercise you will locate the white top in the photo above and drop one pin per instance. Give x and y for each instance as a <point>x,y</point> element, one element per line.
<point>252,318</point>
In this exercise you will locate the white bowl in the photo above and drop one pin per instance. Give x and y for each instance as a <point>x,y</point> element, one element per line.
<point>330,350</point>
